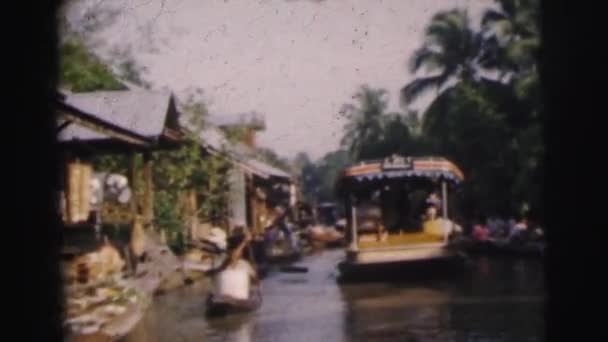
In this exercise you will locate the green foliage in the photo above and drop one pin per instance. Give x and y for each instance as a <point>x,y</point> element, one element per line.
<point>165,213</point>
<point>111,163</point>
<point>317,179</point>
<point>177,171</point>
<point>81,71</point>
<point>491,129</point>
<point>270,157</point>
<point>372,133</point>
<point>186,168</point>
<point>449,52</point>
<point>132,72</point>
<point>364,126</point>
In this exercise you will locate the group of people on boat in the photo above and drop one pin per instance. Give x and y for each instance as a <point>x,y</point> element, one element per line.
<point>512,230</point>
<point>379,220</point>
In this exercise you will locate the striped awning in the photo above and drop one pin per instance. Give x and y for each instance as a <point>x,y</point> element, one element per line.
<point>403,167</point>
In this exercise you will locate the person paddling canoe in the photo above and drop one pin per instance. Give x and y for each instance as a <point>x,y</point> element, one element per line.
<point>236,285</point>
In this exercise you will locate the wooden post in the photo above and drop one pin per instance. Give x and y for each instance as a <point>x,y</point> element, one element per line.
<point>148,206</point>
<point>444,206</point>
<point>293,201</point>
<point>354,246</point>
<point>249,210</point>
<point>85,191</point>
<point>70,191</point>
<point>129,260</point>
<point>444,199</point>
<point>251,205</point>
<point>132,176</point>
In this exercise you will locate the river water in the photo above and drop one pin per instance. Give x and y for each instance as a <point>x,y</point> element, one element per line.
<point>497,300</point>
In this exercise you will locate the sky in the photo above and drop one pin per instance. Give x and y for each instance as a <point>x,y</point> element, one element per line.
<point>295,61</point>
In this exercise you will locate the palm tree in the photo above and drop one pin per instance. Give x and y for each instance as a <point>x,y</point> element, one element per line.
<point>512,42</point>
<point>364,126</point>
<point>396,135</point>
<point>450,51</point>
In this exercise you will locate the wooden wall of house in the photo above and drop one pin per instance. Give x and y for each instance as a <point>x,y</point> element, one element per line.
<point>237,199</point>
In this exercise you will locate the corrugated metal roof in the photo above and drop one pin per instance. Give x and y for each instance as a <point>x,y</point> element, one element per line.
<point>142,112</point>
<point>266,169</point>
<point>214,138</point>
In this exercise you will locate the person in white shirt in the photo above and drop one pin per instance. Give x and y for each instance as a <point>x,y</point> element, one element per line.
<point>233,280</point>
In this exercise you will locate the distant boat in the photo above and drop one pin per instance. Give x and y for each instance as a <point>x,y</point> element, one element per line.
<point>497,247</point>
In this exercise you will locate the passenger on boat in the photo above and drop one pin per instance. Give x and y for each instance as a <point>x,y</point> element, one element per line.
<point>510,226</point>
<point>519,229</point>
<point>494,226</point>
<point>433,200</point>
<point>481,232</point>
<point>280,222</point>
<point>233,279</point>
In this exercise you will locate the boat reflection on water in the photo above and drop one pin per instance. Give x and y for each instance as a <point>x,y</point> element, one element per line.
<point>499,301</point>
<point>239,328</point>
<point>382,312</point>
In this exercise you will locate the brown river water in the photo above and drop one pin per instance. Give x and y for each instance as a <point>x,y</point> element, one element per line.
<point>496,300</point>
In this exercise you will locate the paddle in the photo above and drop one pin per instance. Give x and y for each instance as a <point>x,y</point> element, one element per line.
<point>293,269</point>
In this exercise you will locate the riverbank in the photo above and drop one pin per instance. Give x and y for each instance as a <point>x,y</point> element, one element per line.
<point>110,310</point>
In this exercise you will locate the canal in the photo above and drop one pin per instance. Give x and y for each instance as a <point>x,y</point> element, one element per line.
<point>497,300</point>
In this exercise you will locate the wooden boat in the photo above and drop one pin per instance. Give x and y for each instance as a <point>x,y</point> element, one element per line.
<point>218,306</point>
<point>393,252</point>
<point>504,248</point>
<point>283,256</point>
<point>413,254</point>
<point>277,250</point>
<point>325,236</point>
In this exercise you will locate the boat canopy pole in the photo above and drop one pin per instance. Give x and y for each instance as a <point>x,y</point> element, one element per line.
<point>444,206</point>
<point>444,199</point>
<point>354,243</point>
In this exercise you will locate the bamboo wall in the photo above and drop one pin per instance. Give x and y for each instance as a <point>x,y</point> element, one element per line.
<point>78,192</point>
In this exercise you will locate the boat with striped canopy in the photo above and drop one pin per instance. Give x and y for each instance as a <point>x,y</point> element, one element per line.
<point>383,199</point>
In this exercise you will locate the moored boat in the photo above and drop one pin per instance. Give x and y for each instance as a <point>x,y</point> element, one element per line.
<point>386,240</point>
<point>497,247</point>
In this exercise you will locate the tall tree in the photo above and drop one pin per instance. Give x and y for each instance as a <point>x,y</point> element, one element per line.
<point>364,126</point>
<point>396,137</point>
<point>329,169</point>
<point>512,45</point>
<point>449,52</point>
<point>272,158</point>
<point>81,71</point>
<point>489,127</point>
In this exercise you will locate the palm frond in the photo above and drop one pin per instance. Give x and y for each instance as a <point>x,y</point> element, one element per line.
<point>448,29</point>
<point>417,87</point>
<point>527,85</point>
<point>523,52</point>
<point>492,17</point>
<point>426,56</point>
<point>510,7</point>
